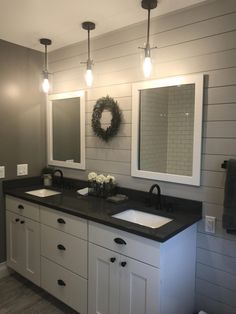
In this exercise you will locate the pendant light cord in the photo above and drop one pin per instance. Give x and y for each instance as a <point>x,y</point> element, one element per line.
<point>46,59</point>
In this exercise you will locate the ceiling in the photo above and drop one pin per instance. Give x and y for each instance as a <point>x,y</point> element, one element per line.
<point>25,21</point>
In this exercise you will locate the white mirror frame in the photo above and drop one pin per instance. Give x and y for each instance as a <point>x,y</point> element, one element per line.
<point>197,137</point>
<point>51,161</point>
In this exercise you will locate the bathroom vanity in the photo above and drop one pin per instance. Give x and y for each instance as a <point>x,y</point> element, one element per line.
<point>73,248</point>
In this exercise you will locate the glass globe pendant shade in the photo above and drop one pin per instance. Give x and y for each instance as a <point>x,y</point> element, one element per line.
<point>89,77</point>
<point>45,85</point>
<point>147,67</point>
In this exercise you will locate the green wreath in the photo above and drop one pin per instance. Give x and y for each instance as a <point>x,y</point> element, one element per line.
<point>106,103</point>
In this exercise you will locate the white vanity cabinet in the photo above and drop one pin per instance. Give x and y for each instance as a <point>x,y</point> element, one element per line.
<point>134,275</point>
<point>23,238</point>
<point>64,257</point>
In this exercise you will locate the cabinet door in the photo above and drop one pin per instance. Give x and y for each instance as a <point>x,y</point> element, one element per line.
<point>15,236</point>
<point>31,244</point>
<point>139,288</point>
<point>103,283</point>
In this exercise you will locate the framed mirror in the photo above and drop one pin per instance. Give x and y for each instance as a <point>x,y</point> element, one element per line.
<point>66,130</point>
<point>167,129</point>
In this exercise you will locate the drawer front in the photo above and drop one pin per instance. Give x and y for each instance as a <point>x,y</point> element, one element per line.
<point>21,207</point>
<point>64,249</point>
<point>64,222</point>
<point>142,249</point>
<point>64,285</point>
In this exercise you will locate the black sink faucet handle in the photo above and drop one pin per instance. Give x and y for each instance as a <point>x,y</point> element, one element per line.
<point>158,202</point>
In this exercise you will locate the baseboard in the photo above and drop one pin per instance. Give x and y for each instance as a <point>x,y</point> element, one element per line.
<point>4,270</point>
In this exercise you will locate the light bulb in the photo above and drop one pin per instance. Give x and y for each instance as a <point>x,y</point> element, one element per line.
<point>147,67</point>
<point>89,77</point>
<point>45,85</point>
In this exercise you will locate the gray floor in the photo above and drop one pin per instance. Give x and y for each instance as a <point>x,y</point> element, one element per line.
<point>17,295</point>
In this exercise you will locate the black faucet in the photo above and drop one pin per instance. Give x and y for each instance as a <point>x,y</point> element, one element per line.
<point>61,179</point>
<point>158,202</point>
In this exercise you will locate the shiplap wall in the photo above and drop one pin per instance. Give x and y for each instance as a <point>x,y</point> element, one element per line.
<point>200,40</point>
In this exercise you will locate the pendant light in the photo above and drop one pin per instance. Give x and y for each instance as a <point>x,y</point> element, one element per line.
<point>147,63</point>
<point>88,26</point>
<point>45,85</point>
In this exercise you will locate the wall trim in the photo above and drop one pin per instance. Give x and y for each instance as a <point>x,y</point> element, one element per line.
<point>4,270</point>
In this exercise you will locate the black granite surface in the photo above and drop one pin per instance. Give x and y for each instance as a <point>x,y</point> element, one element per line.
<point>183,212</point>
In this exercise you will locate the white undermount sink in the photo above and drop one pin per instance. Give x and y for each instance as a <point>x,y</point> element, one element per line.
<point>43,192</point>
<point>142,218</point>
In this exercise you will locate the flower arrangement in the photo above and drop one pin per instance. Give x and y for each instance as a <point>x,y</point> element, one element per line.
<point>101,185</point>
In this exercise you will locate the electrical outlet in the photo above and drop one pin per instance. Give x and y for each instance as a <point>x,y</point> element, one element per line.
<point>22,169</point>
<point>210,224</point>
<point>2,172</point>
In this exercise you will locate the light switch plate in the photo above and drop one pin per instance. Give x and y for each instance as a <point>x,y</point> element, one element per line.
<point>2,172</point>
<point>22,169</point>
<point>210,224</point>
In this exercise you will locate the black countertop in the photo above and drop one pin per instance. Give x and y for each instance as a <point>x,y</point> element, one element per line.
<point>184,214</point>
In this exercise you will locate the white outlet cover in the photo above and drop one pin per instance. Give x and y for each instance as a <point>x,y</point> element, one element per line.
<point>2,172</point>
<point>22,169</point>
<point>210,224</point>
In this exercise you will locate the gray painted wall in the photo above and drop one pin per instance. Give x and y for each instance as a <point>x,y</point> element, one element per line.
<point>22,116</point>
<point>200,40</point>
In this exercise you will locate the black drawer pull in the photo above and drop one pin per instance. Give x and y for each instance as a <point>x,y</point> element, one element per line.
<point>61,247</point>
<point>61,221</point>
<point>20,207</point>
<point>60,282</point>
<point>123,264</point>
<point>112,259</point>
<point>17,219</point>
<point>22,222</point>
<point>120,241</point>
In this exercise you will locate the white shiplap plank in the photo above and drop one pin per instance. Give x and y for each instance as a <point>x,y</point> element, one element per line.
<point>219,129</point>
<point>215,210</point>
<point>212,306</point>
<point>124,103</point>
<point>220,232</point>
<point>220,146</point>
<point>108,154</point>
<point>115,143</point>
<point>108,166</point>
<point>216,292</point>
<point>214,162</point>
<point>213,179</point>
<point>222,112</point>
<point>216,276</point>
<point>216,244</point>
<point>216,260</point>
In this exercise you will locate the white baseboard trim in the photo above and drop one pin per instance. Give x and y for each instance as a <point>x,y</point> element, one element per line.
<point>4,270</point>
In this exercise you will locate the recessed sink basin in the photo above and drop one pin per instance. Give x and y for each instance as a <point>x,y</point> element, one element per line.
<point>43,192</point>
<point>142,218</point>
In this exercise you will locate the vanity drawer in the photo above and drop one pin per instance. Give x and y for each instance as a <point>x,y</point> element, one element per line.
<point>142,249</point>
<point>64,222</point>
<point>64,249</point>
<point>21,207</point>
<point>64,285</point>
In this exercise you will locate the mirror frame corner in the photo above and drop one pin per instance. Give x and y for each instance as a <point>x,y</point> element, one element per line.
<point>198,80</point>
<point>81,165</point>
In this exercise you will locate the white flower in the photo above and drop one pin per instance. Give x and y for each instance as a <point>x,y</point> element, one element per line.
<point>110,178</point>
<point>100,178</point>
<point>92,176</point>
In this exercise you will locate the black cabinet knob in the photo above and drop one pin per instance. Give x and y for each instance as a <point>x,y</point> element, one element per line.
<point>22,222</point>
<point>120,241</point>
<point>123,264</point>
<point>61,221</point>
<point>60,282</point>
<point>20,206</point>
<point>61,247</point>
<point>17,219</point>
<point>112,259</point>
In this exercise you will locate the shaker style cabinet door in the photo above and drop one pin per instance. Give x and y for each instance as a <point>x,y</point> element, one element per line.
<point>103,284</point>
<point>31,242</point>
<point>139,288</point>
<point>15,239</point>
<point>23,246</point>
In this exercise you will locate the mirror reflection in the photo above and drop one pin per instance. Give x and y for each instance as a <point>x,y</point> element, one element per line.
<point>66,130</point>
<point>166,129</point>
